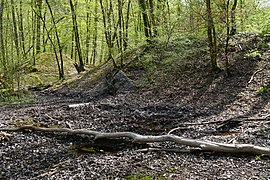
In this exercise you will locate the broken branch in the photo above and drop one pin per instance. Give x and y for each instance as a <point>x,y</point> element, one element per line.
<point>203,145</point>
<point>253,75</point>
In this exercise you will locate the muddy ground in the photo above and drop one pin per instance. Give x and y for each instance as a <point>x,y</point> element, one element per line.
<point>196,95</point>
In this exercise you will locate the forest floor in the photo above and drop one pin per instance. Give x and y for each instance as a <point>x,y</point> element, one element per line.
<point>191,93</point>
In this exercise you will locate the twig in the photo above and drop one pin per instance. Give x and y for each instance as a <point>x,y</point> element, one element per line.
<point>203,145</point>
<point>253,75</point>
<point>177,128</point>
<point>51,118</point>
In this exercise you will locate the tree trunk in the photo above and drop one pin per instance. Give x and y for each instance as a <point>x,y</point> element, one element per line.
<point>21,31</point>
<point>233,29</point>
<point>16,64</point>
<point>15,30</point>
<point>2,44</point>
<point>94,51</point>
<point>153,19</point>
<point>33,32</point>
<point>38,28</point>
<point>120,30</point>
<point>212,38</point>
<point>227,38</point>
<point>101,50</point>
<point>147,28</point>
<point>126,26</point>
<point>108,31</point>
<point>80,66</point>
<point>72,45</point>
<point>60,62</point>
<point>87,33</point>
<point>45,40</point>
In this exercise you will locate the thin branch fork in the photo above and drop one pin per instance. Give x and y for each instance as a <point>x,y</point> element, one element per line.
<point>203,145</point>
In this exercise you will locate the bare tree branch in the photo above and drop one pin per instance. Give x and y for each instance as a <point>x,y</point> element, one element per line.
<point>203,145</point>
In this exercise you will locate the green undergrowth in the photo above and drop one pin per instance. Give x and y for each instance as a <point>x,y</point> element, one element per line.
<point>16,98</point>
<point>40,76</point>
<point>45,71</point>
<point>161,62</point>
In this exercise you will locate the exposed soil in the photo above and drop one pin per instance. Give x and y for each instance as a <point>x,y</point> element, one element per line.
<point>194,95</point>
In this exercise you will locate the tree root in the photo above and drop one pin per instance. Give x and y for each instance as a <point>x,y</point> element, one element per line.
<point>202,145</point>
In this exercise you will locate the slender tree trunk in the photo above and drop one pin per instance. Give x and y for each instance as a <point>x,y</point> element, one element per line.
<point>2,44</point>
<point>15,30</point>
<point>80,66</point>
<point>8,57</point>
<point>38,28</point>
<point>21,30</point>
<point>87,33</point>
<point>233,29</point>
<point>101,50</point>
<point>227,38</point>
<point>60,62</point>
<point>107,31</point>
<point>241,5</point>
<point>16,42</point>
<point>126,26</point>
<point>33,32</point>
<point>72,45</point>
<point>211,37</point>
<point>120,30</point>
<point>94,51</point>
<point>153,19</point>
<point>147,28</point>
<point>44,39</point>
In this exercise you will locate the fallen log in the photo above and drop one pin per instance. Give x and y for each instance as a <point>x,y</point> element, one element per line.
<point>203,145</point>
